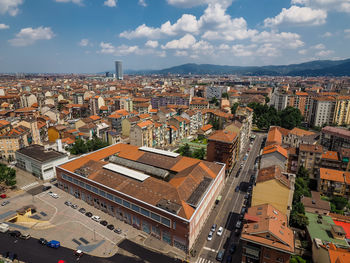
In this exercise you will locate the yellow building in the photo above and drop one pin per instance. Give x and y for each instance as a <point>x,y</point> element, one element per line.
<point>342,111</point>
<point>275,188</point>
<point>56,132</point>
<point>12,141</point>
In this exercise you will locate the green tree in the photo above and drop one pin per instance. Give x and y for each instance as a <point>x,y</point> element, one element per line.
<point>339,202</point>
<point>199,153</point>
<point>79,147</point>
<point>185,150</point>
<point>290,117</point>
<point>234,108</point>
<point>7,175</point>
<point>224,95</point>
<point>297,259</point>
<point>267,99</point>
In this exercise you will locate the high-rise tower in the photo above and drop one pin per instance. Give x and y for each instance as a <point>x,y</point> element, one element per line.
<point>119,70</point>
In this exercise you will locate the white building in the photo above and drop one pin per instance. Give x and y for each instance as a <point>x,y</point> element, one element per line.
<point>38,161</point>
<point>321,111</point>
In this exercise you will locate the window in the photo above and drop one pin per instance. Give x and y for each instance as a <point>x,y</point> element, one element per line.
<point>109,196</point>
<point>82,184</point>
<point>174,225</point>
<point>88,187</point>
<point>69,178</point>
<point>155,217</point>
<point>118,200</point>
<point>75,181</point>
<point>102,193</point>
<point>126,204</point>
<point>135,208</point>
<point>145,212</point>
<point>166,221</point>
<point>95,190</point>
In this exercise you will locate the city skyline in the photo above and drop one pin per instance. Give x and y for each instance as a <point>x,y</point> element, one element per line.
<point>86,36</point>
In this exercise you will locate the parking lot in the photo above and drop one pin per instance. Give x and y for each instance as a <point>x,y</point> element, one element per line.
<point>54,220</point>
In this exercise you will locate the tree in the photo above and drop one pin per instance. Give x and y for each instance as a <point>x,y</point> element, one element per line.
<point>224,95</point>
<point>199,153</point>
<point>234,108</point>
<point>267,99</point>
<point>79,147</point>
<point>185,150</point>
<point>290,117</point>
<point>339,202</point>
<point>7,175</point>
<point>297,259</point>
<point>298,220</point>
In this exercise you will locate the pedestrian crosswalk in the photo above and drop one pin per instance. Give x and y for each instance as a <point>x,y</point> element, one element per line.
<point>204,260</point>
<point>25,187</point>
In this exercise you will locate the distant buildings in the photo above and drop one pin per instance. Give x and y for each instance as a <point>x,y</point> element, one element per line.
<point>119,70</point>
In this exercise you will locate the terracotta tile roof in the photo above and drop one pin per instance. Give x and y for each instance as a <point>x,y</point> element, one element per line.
<point>153,110</point>
<point>223,136</point>
<point>206,127</point>
<point>144,116</point>
<point>27,109</point>
<point>341,132</point>
<point>299,93</point>
<point>104,108</point>
<point>274,136</point>
<point>4,122</point>
<point>68,140</point>
<point>330,155</point>
<point>271,230</point>
<point>275,148</point>
<point>335,175</point>
<point>272,173</point>
<point>145,124</point>
<point>310,148</point>
<point>301,132</point>
<point>337,255</point>
<point>95,117</point>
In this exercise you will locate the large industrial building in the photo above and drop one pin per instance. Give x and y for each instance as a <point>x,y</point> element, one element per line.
<point>159,192</point>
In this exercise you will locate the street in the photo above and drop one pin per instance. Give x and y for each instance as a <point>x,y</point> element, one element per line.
<point>227,213</point>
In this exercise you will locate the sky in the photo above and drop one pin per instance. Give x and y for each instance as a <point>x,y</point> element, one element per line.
<point>87,36</point>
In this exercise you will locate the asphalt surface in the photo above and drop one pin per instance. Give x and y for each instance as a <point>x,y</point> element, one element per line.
<point>227,213</point>
<point>32,252</point>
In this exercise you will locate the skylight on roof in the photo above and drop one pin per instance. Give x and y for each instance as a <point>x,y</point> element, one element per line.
<point>126,171</point>
<point>162,152</point>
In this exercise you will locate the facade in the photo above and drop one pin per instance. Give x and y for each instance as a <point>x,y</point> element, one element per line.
<point>40,162</point>
<point>161,193</point>
<point>322,111</point>
<point>297,136</point>
<point>310,157</point>
<point>342,111</point>
<point>279,100</point>
<point>119,69</point>
<point>12,141</point>
<point>333,182</point>
<point>335,138</point>
<point>223,147</point>
<point>274,155</point>
<point>283,189</point>
<point>266,236</point>
<point>141,134</point>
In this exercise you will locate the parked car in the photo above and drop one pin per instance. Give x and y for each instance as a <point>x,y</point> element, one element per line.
<point>74,206</point>
<point>5,203</point>
<point>54,195</point>
<point>110,227</point>
<point>210,235</point>
<point>53,180</point>
<point>88,214</point>
<point>238,224</point>
<point>232,248</point>
<point>220,230</point>
<point>67,203</point>
<point>46,187</point>
<point>104,222</point>
<point>24,236</point>
<point>237,188</point>
<point>96,218</point>
<point>82,210</point>
<point>237,231</point>
<point>213,227</point>
<point>118,230</point>
<point>3,196</point>
<point>42,241</point>
<point>78,253</point>
<point>250,188</point>
<point>53,244</point>
<point>14,233</point>
<point>220,255</point>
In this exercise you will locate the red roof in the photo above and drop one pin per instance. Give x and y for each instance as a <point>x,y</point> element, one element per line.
<point>345,225</point>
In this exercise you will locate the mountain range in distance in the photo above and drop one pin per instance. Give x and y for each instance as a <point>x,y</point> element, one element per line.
<point>315,68</point>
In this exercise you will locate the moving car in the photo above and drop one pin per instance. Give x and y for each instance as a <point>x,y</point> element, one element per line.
<point>220,230</point>
<point>78,253</point>
<point>232,248</point>
<point>238,224</point>
<point>229,259</point>
<point>210,235</point>
<point>237,188</point>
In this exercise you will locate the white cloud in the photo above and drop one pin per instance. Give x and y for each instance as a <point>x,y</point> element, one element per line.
<point>267,50</point>
<point>192,3</point>
<point>28,36</point>
<point>302,51</point>
<point>142,3</point>
<point>151,43</point>
<point>84,42</point>
<point>336,5</point>
<point>123,50</point>
<point>327,34</point>
<point>297,15</point>
<point>224,47</point>
<point>142,31</point>
<point>3,26</point>
<point>347,33</point>
<point>78,2</point>
<point>10,6</point>
<point>281,40</point>
<point>181,53</point>
<point>242,50</point>
<point>324,53</point>
<point>183,43</point>
<point>110,3</point>
<point>318,47</point>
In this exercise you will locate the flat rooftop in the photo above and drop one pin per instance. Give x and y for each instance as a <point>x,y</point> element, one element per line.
<point>39,153</point>
<point>172,182</point>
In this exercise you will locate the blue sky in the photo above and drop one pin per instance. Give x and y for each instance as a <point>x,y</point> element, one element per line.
<point>88,35</point>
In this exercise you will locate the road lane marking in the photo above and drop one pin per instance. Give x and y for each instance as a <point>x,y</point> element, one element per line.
<point>210,249</point>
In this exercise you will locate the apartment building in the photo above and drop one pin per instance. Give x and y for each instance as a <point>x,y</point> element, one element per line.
<point>333,182</point>
<point>335,138</point>
<point>141,134</point>
<point>266,236</point>
<point>223,147</point>
<point>12,141</point>
<point>342,111</point>
<point>159,192</point>
<point>310,158</point>
<point>322,111</point>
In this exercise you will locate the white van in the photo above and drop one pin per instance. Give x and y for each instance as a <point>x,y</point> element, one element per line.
<point>4,228</point>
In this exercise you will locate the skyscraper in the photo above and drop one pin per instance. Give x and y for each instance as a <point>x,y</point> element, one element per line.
<point>119,70</point>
